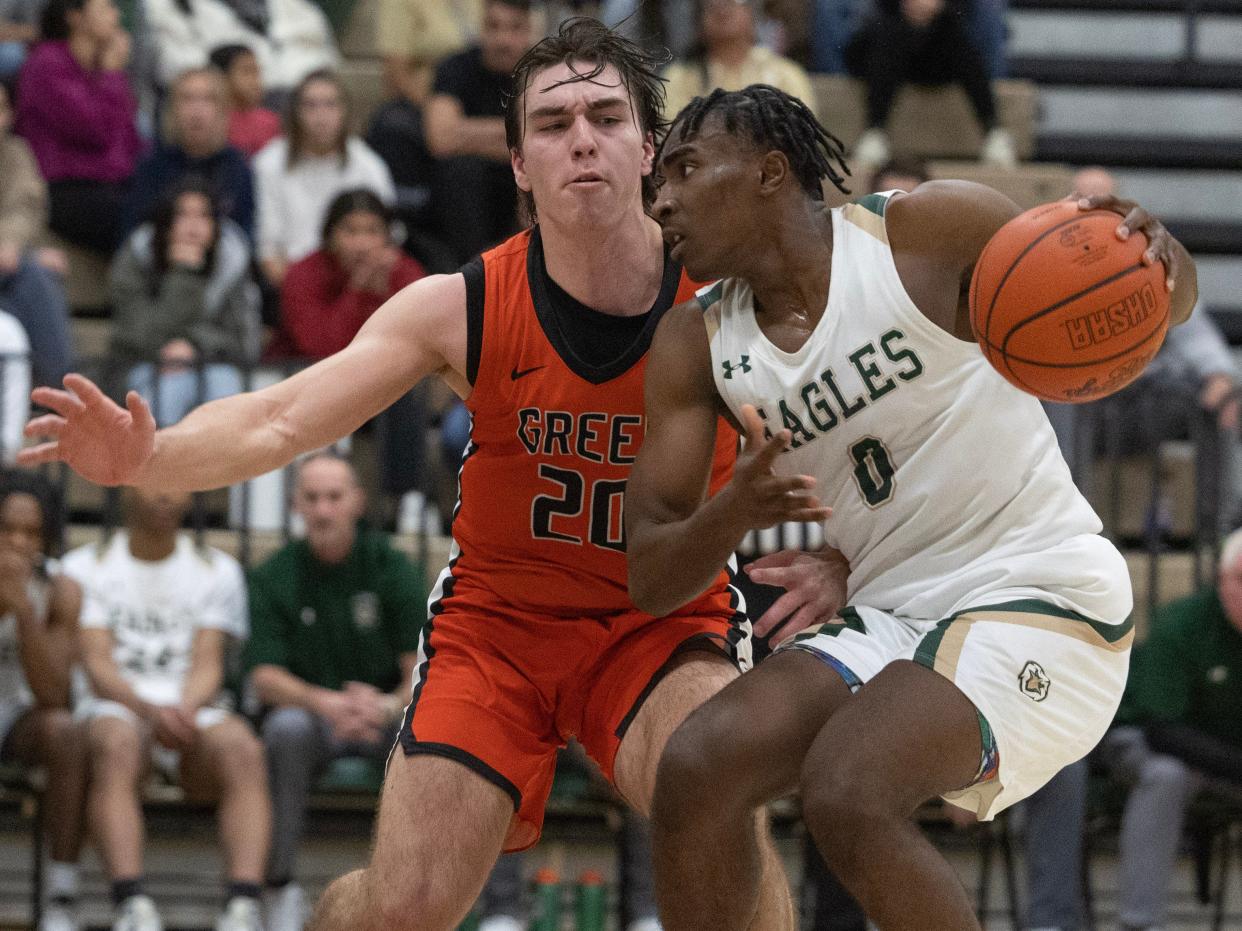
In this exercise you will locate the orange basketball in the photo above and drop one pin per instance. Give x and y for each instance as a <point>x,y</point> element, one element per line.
<point>1063,308</point>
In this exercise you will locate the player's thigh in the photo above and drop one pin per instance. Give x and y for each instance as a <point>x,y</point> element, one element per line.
<point>227,752</point>
<point>119,745</point>
<point>710,724</point>
<point>439,831</point>
<point>907,735</point>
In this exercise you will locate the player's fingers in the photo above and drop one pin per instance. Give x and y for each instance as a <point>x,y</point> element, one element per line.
<point>777,560</point>
<point>752,423</point>
<point>37,455</point>
<point>63,402</point>
<point>1135,219</point>
<point>799,622</point>
<point>779,610</point>
<point>140,411</point>
<point>769,451</point>
<point>87,391</point>
<point>47,425</point>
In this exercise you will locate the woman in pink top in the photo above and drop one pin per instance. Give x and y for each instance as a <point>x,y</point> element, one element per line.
<point>75,108</point>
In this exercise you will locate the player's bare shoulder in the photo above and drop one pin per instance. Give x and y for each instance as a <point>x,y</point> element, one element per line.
<point>426,318</point>
<point>680,361</point>
<point>949,221</point>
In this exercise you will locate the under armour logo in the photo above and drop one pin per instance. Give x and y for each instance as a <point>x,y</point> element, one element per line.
<point>742,366</point>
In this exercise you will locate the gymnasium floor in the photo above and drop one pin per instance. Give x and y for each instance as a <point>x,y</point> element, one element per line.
<point>183,866</point>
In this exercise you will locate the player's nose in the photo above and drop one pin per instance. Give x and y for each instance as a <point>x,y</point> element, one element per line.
<point>582,138</point>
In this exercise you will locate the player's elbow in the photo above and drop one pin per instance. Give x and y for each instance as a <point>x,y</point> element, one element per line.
<point>647,588</point>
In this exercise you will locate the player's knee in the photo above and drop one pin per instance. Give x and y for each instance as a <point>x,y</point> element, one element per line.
<point>241,754</point>
<point>698,759</point>
<point>115,748</point>
<point>55,728</point>
<point>419,902</point>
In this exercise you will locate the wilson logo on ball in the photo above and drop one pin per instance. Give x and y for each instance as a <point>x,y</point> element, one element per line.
<point>1101,325</point>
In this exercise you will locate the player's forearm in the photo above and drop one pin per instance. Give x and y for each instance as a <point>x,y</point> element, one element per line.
<point>202,685</point>
<point>220,443</point>
<point>672,562</point>
<point>108,683</point>
<point>480,136</point>
<point>277,687</point>
<point>44,662</point>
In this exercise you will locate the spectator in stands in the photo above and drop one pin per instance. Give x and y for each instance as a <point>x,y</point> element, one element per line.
<point>30,287</point>
<point>75,108</point>
<point>328,296</point>
<point>900,174</point>
<point>197,129</point>
<point>19,29</point>
<point>474,192</point>
<point>38,646</point>
<point>413,36</point>
<point>728,57</point>
<point>299,174</point>
<point>335,623</point>
<point>1177,732</point>
<point>182,293</point>
<point>251,125</point>
<point>1194,375</point>
<point>158,618</point>
<point>921,42</point>
<point>291,38</point>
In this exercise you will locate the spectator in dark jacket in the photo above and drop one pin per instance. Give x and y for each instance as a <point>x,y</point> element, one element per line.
<point>198,127</point>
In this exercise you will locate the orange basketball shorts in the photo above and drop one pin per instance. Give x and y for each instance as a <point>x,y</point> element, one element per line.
<point>501,694</point>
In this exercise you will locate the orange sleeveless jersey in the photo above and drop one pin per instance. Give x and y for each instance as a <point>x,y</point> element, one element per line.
<point>539,527</point>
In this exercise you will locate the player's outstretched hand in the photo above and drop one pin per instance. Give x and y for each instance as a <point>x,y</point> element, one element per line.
<point>815,590</point>
<point>99,440</point>
<point>1159,240</point>
<point>760,496</point>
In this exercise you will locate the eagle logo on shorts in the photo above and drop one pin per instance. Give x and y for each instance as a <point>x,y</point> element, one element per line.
<point>1033,682</point>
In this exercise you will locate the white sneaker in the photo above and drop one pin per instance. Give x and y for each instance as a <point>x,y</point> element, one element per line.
<point>871,150</point>
<point>998,149</point>
<point>286,908</point>
<point>137,913</point>
<point>59,916</point>
<point>241,914</point>
<point>645,924</point>
<point>501,923</point>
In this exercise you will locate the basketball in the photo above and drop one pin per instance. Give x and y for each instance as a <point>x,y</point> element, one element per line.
<point>1064,309</point>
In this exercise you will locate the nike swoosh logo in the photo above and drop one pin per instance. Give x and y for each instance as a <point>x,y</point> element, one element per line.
<point>515,374</point>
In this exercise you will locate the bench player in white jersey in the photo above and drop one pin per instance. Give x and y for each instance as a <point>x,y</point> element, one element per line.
<point>986,640</point>
<point>158,613</point>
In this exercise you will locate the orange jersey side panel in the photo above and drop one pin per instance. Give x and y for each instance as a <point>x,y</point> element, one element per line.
<point>539,524</point>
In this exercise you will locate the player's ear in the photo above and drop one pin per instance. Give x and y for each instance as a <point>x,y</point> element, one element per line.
<point>519,170</point>
<point>648,154</point>
<point>773,172</point>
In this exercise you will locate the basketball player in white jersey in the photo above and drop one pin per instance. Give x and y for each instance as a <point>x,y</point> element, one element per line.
<point>986,640</point>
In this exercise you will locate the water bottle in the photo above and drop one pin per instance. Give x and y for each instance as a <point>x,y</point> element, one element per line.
<point>590,902</point>
<point>546,915</point>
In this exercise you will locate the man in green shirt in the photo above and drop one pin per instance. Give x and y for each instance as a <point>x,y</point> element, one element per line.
<point>1178,727</point>
<point>335,622</point>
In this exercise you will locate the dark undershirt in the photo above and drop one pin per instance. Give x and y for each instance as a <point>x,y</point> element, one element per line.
<point>595,338</point>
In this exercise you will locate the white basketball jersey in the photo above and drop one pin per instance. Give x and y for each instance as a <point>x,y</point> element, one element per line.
<point>14,689</point>
<point>154,609</point>
<point>947,486</point>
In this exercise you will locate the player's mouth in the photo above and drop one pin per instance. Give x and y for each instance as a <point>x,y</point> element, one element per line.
<point>587,178</point>
<point>674,240</point>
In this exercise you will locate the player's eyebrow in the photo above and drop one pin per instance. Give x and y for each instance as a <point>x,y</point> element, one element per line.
<point>681,150</point>
<point>603,103</point>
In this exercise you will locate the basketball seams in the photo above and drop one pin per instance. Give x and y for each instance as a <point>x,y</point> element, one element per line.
<point>1043,393</point>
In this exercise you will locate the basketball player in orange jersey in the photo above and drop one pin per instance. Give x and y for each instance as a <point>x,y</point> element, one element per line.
<point>531,636</point>
<point>986,639</point>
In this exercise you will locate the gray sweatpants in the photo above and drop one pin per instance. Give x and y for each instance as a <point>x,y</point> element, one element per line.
<point>1055,817</point>
<point>299,745</point>
<point>1161,788</point>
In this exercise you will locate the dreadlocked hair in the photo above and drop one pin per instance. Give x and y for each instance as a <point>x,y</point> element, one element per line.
<point>773,120</point>
<point>582,39</point>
